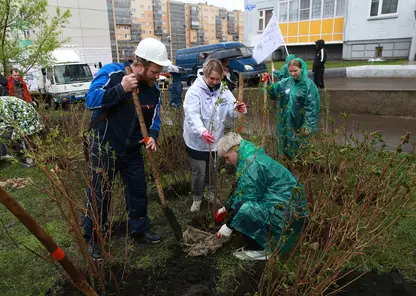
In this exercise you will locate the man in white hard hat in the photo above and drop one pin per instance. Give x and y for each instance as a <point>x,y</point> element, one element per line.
<point>115,141</point>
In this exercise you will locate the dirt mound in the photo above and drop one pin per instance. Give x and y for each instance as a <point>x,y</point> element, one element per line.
<point>372,284</point>
<point>181,276</point>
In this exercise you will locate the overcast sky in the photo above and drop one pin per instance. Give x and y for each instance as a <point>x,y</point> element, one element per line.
<point>228,4</point>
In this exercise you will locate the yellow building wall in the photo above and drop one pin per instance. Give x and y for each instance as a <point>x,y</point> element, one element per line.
<point>331,30</point>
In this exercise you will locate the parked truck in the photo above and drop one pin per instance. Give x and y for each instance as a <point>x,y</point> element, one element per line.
<point>66,80</point>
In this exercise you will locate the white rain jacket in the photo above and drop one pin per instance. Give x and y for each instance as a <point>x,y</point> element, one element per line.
<point>206,110</point>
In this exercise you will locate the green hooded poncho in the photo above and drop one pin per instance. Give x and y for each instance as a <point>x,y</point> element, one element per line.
<point>284,71</point>
<point>297,112</point>
<point>266,196</point>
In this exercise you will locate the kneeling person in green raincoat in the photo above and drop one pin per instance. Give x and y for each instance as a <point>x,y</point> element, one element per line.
<point>268,206</point>
<point>298,109</point>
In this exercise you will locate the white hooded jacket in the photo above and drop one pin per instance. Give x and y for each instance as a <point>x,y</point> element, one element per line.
<point>206,110</point>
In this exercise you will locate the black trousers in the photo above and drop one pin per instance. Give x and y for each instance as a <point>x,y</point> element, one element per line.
<point>318,78</point>
<point>103,172</point>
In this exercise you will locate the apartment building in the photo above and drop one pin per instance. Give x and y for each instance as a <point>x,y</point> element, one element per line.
<point>125,34</point>
<point>87,29</point>
<point>352,29</point>
<point>175,23</point>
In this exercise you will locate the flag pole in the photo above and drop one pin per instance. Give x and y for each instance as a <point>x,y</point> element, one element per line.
<point>287,52</point>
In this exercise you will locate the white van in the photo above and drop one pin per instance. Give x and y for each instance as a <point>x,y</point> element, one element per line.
<point>66,80</point>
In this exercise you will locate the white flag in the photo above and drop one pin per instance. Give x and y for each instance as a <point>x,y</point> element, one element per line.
<point>270,40</point>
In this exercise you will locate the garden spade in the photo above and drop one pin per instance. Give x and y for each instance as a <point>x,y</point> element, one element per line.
<point>170,216</point>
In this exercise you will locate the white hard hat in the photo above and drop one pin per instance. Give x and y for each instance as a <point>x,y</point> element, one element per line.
<point>154,51</point>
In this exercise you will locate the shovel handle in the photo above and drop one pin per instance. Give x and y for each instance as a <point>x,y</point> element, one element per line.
<point>56,252</point>
<point>145,134</point>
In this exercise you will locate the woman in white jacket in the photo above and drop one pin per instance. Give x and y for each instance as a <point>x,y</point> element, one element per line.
<point>207,104</point>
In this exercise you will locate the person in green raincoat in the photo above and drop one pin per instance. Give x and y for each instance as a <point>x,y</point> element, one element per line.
<point>284,71</point>
<point>266,203</point>
<point>18,120</point>
<point>298,109</point>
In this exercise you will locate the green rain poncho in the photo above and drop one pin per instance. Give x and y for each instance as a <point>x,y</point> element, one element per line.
<point>267,195</point>
<point>297,112</point>
<point>284,72</point>
<point>17,119</point>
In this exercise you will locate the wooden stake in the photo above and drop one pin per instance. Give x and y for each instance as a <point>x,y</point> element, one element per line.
<point>57,253</point>
<point>240,100</point>
<point>263,137</point>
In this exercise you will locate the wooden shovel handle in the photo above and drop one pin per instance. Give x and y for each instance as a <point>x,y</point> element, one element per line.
<point>26,219</point>
<point>145,134</point>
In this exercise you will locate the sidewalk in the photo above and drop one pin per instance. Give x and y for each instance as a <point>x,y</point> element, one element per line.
<point>371,84</point>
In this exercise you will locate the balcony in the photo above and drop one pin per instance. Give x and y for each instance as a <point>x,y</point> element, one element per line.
<point>195,25</point>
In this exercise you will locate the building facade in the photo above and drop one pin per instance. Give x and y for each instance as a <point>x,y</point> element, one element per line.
<point>352,29</point>
<point>87,30</point>
<point>125,34</point>
<point>175,23</point>
<point>379,28</point>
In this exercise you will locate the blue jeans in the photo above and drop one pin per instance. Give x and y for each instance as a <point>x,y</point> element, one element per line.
<point>103,171</point>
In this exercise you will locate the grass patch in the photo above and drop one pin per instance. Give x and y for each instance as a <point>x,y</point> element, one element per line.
<point>338,64</point>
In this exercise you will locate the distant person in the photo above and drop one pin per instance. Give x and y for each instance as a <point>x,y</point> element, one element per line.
<point>176,88</point>
<point>284,71</point>
<point>318,67</point>
<point>298,109</point>
<point>198,65</point>
<point>100,65</point>
<point>228,75</point>
<point>17,87</point>
<point>3,84</point>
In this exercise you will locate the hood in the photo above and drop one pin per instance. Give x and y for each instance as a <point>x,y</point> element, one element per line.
<point>200,83</point>
<point>320,43</point>
<point>245,151</point>
<point>290,58</point>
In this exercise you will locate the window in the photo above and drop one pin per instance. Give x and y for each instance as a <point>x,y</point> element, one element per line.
<point>126,27</point>
<point>144,32</point>
<point>142,15</point>
<point>49,74</point>
<point>294,11</point>
<point>340,8</point>
<point>65,74</point>
<point>380,7</point>
<point>141,6</point>
<point>316,9</point>
<point>134,19</point>
<point>118,27</point>
<point>127,36</point>
<point>283,11</point>
<point>148,7</point>
<point>304,9</point>
<point>150,32</point>
<point>133,10</point>
<point>119,36</point>
<point>329,6</point>
<point>264,18</point>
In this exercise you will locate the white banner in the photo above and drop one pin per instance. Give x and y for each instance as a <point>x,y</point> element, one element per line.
<point>270,40</point>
